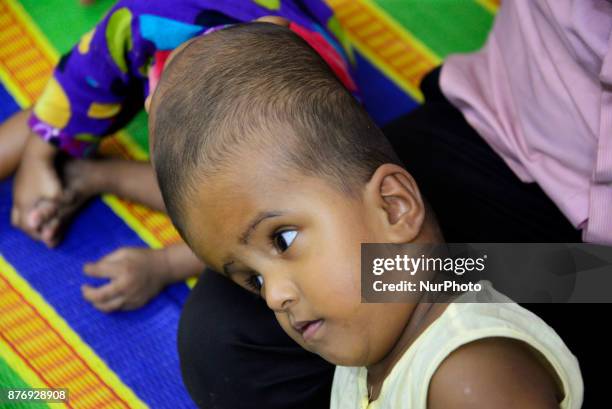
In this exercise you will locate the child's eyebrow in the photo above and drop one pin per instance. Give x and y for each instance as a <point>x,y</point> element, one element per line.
<point>261,216</point>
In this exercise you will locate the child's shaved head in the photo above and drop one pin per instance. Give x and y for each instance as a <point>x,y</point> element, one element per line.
<point>258,89</point>
<point>275,176</point>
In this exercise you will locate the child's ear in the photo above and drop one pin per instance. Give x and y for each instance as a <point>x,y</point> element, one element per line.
<point>397,203</point>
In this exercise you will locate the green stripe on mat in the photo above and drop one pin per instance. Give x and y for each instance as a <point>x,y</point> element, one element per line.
<point>138,131</point>
<point>65,21</point>
<point>10,379</point>
<point>445,26</point>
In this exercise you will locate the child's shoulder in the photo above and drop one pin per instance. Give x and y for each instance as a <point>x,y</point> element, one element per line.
<point>494,373</point>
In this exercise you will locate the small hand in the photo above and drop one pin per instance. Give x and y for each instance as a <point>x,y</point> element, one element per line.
<point>136,276</point>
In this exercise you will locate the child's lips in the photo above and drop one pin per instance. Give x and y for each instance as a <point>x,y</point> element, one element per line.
<point>308,329</point>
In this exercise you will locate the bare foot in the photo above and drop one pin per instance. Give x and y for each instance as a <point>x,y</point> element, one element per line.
<point>43,211</point>
<point>81,181</point>
<point>39,220</point>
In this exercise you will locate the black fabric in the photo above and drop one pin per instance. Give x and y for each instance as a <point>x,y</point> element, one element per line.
<point>475,195</point>
<point>234,354</point>
<point>477,198</point>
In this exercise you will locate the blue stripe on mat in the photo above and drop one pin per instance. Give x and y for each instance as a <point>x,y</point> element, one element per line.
<point>139,346</point>
<point>383,100</point>
<point>7,104</point>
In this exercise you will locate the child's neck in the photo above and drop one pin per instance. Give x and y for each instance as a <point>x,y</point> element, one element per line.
<point>425,313</point>
<point>421,318</point>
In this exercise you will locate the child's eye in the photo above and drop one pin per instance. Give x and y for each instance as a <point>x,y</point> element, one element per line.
<point>282,240</point>
<point>255,281</point>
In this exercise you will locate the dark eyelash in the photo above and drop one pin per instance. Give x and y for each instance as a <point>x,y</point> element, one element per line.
<point>277,233</point>
<point>253,283</point>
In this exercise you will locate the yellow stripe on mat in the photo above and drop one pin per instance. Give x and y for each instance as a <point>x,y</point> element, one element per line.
<point>391,47</point>
<point>44,350</point>
<point>489,5</point>
<point>25,372</point>
<point>154,228</point>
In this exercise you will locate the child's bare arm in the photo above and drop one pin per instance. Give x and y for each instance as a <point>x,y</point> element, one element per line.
<point>496,373</point>
<point>127,179</point>
<point>137,275</point>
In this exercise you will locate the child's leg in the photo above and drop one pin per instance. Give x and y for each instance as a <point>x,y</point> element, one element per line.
<point>13,137</point>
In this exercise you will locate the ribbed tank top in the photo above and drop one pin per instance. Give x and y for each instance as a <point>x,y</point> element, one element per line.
<point>493,315</point>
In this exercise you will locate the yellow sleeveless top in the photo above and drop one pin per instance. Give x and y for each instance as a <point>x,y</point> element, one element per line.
<point>407,385</point>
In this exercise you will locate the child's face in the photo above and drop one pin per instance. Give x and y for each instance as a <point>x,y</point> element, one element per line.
<point>299,238</point>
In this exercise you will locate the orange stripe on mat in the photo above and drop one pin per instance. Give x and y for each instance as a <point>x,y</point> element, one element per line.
<point>17,40</point>
<point>155,223</point>
<point>39,347</point>
<point>381,39</point>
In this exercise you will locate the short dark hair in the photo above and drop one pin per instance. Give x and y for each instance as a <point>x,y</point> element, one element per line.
<point>221,91</point>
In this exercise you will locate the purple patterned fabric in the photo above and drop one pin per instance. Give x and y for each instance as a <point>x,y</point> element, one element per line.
<point>96,86</point>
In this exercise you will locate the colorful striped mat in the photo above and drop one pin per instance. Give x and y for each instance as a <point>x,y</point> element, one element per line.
<point>49,336</point>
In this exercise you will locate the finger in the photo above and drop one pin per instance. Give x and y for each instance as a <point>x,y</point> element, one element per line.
<point>53,230</point>
<point>113,259</point>
<point>111,305</point>
<point>43,211</point>
<point>49,232</point>
<point>101,269</point>
<point>101,294</point>
<point>121,254</point>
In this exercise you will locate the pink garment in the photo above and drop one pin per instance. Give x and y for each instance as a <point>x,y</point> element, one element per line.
<point>540,93</point>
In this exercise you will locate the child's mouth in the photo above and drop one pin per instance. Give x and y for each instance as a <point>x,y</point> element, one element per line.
<point>308,329</point>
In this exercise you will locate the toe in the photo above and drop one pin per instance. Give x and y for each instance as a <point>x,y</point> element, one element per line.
<point>50,232</point>
<point>43,211</point>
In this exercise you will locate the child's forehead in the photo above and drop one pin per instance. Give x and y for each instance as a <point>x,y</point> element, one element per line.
<point>259,182</point>
<point>226,201</point>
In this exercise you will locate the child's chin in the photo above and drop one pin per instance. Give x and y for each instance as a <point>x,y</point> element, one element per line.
<point>339,358</point>
<point>332,352</point>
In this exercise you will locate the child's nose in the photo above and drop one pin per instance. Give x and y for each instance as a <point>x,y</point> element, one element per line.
<point>280,293</point>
